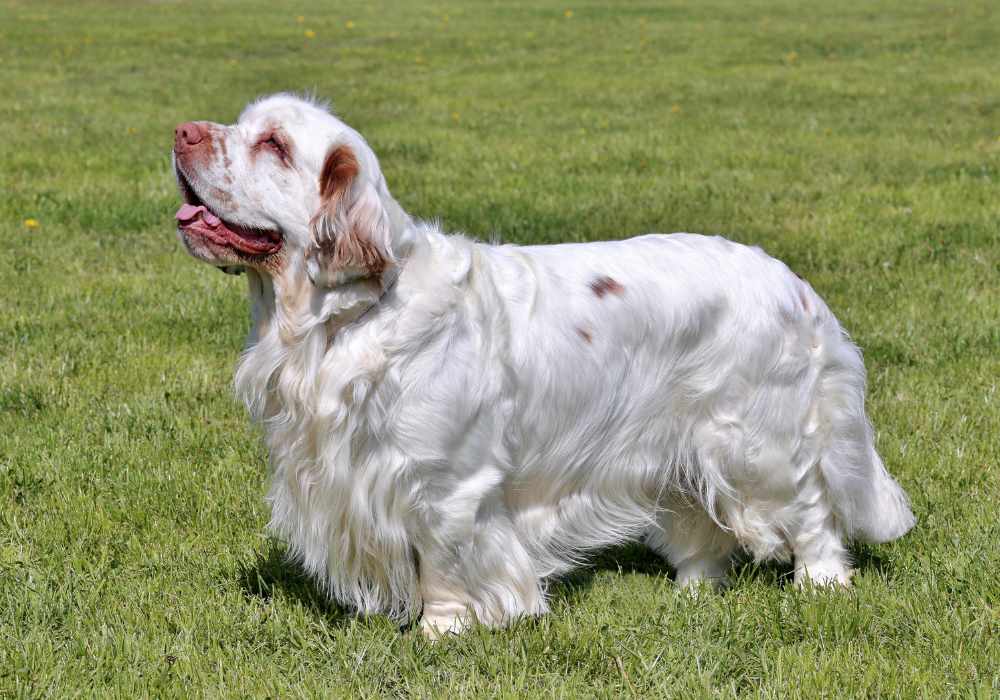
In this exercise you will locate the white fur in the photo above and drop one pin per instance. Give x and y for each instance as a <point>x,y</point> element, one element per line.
<point>502,411</point>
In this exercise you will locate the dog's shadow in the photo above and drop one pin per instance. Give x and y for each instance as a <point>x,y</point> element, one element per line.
<point>633,559</point>
<point>274,574</point>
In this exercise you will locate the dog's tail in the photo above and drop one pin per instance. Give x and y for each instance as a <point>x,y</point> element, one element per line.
<point>869,503</point>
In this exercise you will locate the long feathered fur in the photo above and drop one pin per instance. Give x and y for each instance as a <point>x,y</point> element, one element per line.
<point>502,411</point>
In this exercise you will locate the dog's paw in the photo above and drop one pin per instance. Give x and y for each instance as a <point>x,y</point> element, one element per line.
<point>824,575</point>
<point>702,576</point>
<point>437,626</point>
<point>695,587</point>
<point>442,618</point>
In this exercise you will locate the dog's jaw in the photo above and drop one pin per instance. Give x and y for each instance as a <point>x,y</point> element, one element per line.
<point>211,238</point>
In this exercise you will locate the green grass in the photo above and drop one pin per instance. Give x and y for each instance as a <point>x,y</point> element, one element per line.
<point>858,141</point>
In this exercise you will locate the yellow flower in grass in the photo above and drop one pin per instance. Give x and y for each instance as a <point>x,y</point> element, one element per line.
<point>349,24</point>
<point>31,223</point>
<point>568,13</point>
<point>310,34</point>
<point>676,109</point>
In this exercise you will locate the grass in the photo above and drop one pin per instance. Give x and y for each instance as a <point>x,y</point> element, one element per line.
<point>858,141</point>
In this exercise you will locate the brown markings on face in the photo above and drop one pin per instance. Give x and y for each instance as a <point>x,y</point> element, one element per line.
<point>198,156</point>
<point>224,150</point>
<point>227,162</point>
<point>606,285</point>
<point>585,334</point>
<point>274,141</point>
<point>222,197</point>
<point>217,142</point>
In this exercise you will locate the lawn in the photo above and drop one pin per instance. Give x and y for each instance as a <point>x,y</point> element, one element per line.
<point>858,141</point>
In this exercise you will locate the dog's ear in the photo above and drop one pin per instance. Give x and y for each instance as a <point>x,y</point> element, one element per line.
<point>351,233</point>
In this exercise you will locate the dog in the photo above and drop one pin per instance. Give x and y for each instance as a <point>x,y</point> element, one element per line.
<point>450,424</point>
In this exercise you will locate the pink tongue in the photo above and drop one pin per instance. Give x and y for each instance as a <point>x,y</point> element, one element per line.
<point>189,212</point>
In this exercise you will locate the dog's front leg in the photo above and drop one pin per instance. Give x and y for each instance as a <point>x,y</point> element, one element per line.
<point>448,609</point>
<point>474,566</point>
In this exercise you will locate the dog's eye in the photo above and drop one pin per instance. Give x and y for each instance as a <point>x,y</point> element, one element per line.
<point>272,142</point>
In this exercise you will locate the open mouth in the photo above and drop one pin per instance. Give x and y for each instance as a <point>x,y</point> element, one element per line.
<point>195,218</point>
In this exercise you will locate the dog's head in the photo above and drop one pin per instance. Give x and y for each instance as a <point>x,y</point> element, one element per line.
<point>288,186</point>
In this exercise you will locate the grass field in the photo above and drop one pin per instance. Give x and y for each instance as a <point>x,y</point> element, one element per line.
<point>858,141</point>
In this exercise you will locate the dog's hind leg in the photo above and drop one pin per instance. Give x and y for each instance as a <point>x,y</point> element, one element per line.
<point>847,492</point>
<point>816,538</point>
<point>692,543</point>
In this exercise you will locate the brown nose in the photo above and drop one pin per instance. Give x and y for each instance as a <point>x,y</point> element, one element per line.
<point>187,136</point>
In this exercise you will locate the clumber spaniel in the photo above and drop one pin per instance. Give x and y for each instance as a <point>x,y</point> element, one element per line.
<point>451,423</point>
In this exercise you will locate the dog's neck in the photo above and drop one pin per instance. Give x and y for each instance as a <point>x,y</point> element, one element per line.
<point>287,302</point>
<point>291,329</point>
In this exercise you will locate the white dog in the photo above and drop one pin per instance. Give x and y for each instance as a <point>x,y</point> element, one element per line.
<point>451,423</point>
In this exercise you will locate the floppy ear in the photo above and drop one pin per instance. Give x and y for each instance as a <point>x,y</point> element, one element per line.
<point>351,235</point>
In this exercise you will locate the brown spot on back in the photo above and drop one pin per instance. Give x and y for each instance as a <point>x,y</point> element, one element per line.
<point>585,334</point>
<point>606,285</point>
